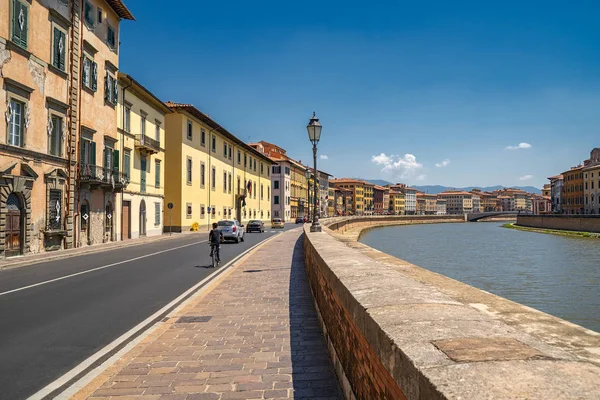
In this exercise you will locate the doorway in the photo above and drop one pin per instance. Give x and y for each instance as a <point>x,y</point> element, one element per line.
<point>14,226</point>
<point>126,220</point>
<point>143,218</point>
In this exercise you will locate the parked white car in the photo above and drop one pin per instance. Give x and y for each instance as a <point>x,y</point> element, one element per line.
<point>231,229</point>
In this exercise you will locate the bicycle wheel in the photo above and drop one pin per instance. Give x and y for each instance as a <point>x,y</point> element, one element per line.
<point>214,258</point>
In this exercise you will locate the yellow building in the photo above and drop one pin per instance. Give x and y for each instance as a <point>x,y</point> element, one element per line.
<point>299,189</point>
<point>141,126</point>
<point>397,202</point>
<point>211,174</point>
<point>369,199</point>
<point>99,157</point>
<point>358,193</point>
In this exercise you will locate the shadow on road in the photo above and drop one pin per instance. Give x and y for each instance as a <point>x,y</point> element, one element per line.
<point>312,371</point>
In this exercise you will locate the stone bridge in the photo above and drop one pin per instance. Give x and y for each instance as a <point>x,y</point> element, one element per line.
<point>477,216</point>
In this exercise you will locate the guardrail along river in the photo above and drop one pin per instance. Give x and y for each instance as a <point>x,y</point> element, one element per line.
<point>558,275</point>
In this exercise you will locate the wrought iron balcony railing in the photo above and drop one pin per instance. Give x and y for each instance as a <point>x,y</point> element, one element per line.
<point>94,174</point>
<point>146,143</point>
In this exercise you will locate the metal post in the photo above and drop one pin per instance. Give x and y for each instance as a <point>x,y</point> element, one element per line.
<point>315,227</point>
<point>170,221</point>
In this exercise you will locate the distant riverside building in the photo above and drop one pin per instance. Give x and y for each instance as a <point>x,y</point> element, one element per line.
<point>357,187</point>
<point>380,203</point>
<point>323,184</point>
<point>426,203</point>
<point>591,182</point>
<point>397,202</point>
<point>342,200</point>
<point>476,203</point>
<point>420,205</point>
<point>457,201</point>
<point>488,201</point>
<point>507,203</point>
<point>573,192</point>
<point>541,204</point>
<point>410,197</point>
<point>368,198</point>
<point>556,191</point>
<point>441,206</point>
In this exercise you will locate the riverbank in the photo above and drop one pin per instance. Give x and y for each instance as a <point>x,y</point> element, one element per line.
<point>589,235</point>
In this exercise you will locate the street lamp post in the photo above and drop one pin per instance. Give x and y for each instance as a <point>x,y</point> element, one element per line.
<point>307,175</point>
<point>314,134</point>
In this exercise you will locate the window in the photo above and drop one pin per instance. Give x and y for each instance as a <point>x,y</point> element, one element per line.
<point>250,162</point>
<point>213,178</point>
<point>269,172</point>
<point>88,13</point>
<point>268,193</point>
<point>287,170</point>
<point>229,155</point>
<point>255,164</point>
<point>111,89</point>
<point>225,150</point>
<point>276,170</point>
<point>89,74</point>
<point>20,19</point>
<point>229,183</point>
<point>111,37</point>
<point>261,191</point>
<point>203,137</point>
<point>238,185</point>
<point>157,173</point>
<point>239,157</point>
<point>224,182</point>
<point>127,119</point>
<point>254,189</point>
<point>88,152</point>
<point>54,210</point>
<point>275,184</point>
<point>262,170</point>
<point>189,171</point>
<point>245,160</point>
<point>143,125</point>
<point>156,214</point>
<point>275,199</point>
<point>214,143</point>
<point>99,15</point>
<point>59,49</point>
<point>188,211</point>
<point>157,131</point>
<point>202,174</point>
<point>127,163</point>
<point>189,130</point>
<point>202,211</point>
<point>55,139</point>
<point>16,124</point>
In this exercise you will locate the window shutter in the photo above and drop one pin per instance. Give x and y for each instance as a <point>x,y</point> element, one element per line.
<point>106,88</point>
<point>93,153</point>
<point>16,29</point>
<point>116,160</point>
<point>25,22</point>
<point>116,90</point>
<point>56,61</point>
<point>62,58</point>
<point>94,76</point>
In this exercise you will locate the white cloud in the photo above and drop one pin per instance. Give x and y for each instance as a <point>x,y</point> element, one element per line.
<point>521,145</point>
<point>443,163</point>
<point>402,167</point>
<point>525,177</point>
<point>324,157</point>
<point>421,177</point>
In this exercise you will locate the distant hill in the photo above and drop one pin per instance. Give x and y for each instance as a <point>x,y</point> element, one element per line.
<point>435,189</point>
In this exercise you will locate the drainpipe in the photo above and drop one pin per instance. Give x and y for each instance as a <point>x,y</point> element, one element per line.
<point>122,151</point>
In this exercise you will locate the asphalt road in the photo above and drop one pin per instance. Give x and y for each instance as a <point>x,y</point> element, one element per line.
<point>47,328</point>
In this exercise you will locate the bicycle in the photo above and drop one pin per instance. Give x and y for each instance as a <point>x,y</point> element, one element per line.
<point>214,251</point>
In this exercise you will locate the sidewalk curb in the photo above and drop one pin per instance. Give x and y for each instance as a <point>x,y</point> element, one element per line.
<point>86,379</point>
<point>24,261</point>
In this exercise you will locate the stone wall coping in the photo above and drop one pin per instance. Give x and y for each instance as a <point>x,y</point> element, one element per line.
<point>440,338</point>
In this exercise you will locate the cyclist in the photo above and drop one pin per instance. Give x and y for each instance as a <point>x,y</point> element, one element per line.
<point>214,238</point>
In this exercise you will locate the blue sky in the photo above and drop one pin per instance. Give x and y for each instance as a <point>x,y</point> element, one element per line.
<point>399,86</point>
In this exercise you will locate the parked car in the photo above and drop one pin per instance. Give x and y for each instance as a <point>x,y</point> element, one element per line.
<point>231,229</point>
<point>255,225</point>
<point>300,220</point>
<point>277,223</point>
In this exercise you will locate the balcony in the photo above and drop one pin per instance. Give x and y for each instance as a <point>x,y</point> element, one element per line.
<point>97,176</point>
<point>149,145</point>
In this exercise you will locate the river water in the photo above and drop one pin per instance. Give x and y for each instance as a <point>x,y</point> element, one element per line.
<point>559,275</point>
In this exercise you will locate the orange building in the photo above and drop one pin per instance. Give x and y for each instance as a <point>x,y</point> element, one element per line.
<point>573,190</point>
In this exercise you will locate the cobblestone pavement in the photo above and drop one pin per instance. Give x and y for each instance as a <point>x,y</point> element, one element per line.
<point>262,339</point>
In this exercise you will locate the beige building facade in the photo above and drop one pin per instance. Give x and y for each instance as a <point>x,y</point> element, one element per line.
<point>141,127</point>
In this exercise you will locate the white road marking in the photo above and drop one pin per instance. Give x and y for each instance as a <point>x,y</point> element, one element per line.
<point>92,374</point>
<point>97,269</point>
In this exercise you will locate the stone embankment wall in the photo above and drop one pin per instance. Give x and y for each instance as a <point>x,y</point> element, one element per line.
<point>398,331</point>
<point>582,223</point>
